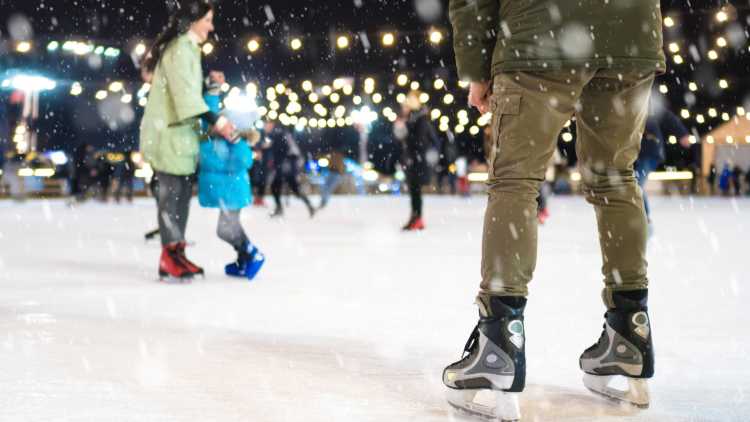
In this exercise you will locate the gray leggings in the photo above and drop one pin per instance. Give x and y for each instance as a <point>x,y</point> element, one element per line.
<point>173,199</point>
<point>230,229</point>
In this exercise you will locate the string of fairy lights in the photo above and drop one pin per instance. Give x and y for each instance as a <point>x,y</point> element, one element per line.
<point>348,100</point>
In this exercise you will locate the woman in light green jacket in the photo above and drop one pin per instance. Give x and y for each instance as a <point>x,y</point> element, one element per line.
<point>170,130</point>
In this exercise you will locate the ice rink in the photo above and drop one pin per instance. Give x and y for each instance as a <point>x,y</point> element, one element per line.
<point>350,320</point>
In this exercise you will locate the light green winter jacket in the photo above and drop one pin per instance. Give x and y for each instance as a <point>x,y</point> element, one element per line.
<point>170,130</point>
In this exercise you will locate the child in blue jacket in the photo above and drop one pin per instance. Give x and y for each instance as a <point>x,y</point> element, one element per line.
<point>223,183</point>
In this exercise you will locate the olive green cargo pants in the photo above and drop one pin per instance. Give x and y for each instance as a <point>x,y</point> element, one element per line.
<point>529,111</point>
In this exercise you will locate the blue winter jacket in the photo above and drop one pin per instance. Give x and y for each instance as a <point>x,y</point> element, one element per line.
<point>223,180</point>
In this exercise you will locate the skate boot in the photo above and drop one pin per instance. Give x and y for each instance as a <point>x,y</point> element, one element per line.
<point>194,269</point>
<point>415,223</point>
<point>624,351</point>
<point>486,382</point>
<point>310,209</point>
<point>542,216</point>
<point>171,268</point>
<point>277,213</point>
<point>259,202</point>
<point>248,264</point>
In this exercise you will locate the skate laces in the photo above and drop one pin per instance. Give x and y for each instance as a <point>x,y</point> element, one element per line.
<point>601,337</point>
<point>472,341</point>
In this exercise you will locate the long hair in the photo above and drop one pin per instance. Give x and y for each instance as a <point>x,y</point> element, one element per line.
<point>186,12</point>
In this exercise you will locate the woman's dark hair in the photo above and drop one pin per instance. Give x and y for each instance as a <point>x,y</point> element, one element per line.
<point>185,13</point>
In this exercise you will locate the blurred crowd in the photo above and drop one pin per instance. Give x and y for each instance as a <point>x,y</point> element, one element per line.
<point>355,159</point>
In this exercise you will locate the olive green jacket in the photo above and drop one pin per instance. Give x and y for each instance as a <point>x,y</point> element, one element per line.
<point>170,130</point>
<point>494,36</point>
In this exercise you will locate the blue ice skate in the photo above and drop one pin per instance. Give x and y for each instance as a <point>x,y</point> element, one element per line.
<point>248,264</point>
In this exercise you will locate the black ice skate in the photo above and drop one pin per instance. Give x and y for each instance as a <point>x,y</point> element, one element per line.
<point>486,382</point>
<point>624,351</point>
<point>277,213</point>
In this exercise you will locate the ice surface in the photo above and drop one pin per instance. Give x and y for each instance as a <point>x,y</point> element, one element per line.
<point>350,320</point>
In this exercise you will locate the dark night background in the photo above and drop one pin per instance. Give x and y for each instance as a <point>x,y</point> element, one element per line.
<point>124,23</point>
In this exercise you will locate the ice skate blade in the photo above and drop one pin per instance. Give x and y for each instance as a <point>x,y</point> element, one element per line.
<point>487,404</point>
<point>170,279</point>
<point>637,393</point>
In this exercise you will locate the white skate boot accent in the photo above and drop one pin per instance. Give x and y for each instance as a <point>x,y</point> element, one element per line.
<point>489,404</point>
<point>636,392</point>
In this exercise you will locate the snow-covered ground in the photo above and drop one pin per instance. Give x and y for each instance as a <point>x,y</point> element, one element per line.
<point>350,320</point>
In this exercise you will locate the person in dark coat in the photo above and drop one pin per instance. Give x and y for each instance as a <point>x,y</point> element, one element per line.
<point>126,178</point>
<point>85,171</point>
<point>416,132</point>
<point>650,157</point>
<point>104,171</point>
<point>339,144</point>
<point>660,126</point>
<point>447,163</point>
<point>4,132</point>
<point>736,178</point>
<point>259,174</point>
<point>286,154</point>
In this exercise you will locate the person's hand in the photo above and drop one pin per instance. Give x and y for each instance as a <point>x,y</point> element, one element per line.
<point>685,142</point>
<point>479,96</point>
<point>252,137</point>
<point>226,129</point>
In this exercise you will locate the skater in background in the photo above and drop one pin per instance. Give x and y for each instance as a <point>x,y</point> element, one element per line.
<point>126,178</point>
<point>336,172</point>
<point>416,133</point>
<point>661,125</point>
<point>86,171</point>
<point>446,166</point>
<point>652,155</point>
<point>259,173</point>
<point>104,172</point>
<point>725,180</point>
<point>338,143</point>
<point>170,130</point>
<point>736,180</point>
<point>545,190</point>
<point>286,156</point>
<point>224,183</point>
<point>78,172</point>
<point>542,210</point>
<point>4,134</point>
<point>153,186</point>
<point>533,85</point>
<point>711,179</point>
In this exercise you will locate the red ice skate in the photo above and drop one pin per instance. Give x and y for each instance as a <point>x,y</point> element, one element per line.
<point>189,265</point>
<point>414,224</point>
<point>171,268</point>
<point>542,216</point>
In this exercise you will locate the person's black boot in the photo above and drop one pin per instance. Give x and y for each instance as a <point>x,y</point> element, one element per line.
<point>625,349</point>
<point>494,362</point>
<point>277,213</point>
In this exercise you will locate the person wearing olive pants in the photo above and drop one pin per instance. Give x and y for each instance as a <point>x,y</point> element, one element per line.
<point>535,64</point>
<point>526,124</point>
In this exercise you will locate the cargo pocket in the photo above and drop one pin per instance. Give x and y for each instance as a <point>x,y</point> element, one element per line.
<point>504,107</point>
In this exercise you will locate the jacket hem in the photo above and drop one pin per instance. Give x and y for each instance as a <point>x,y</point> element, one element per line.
<point>542,65</point>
